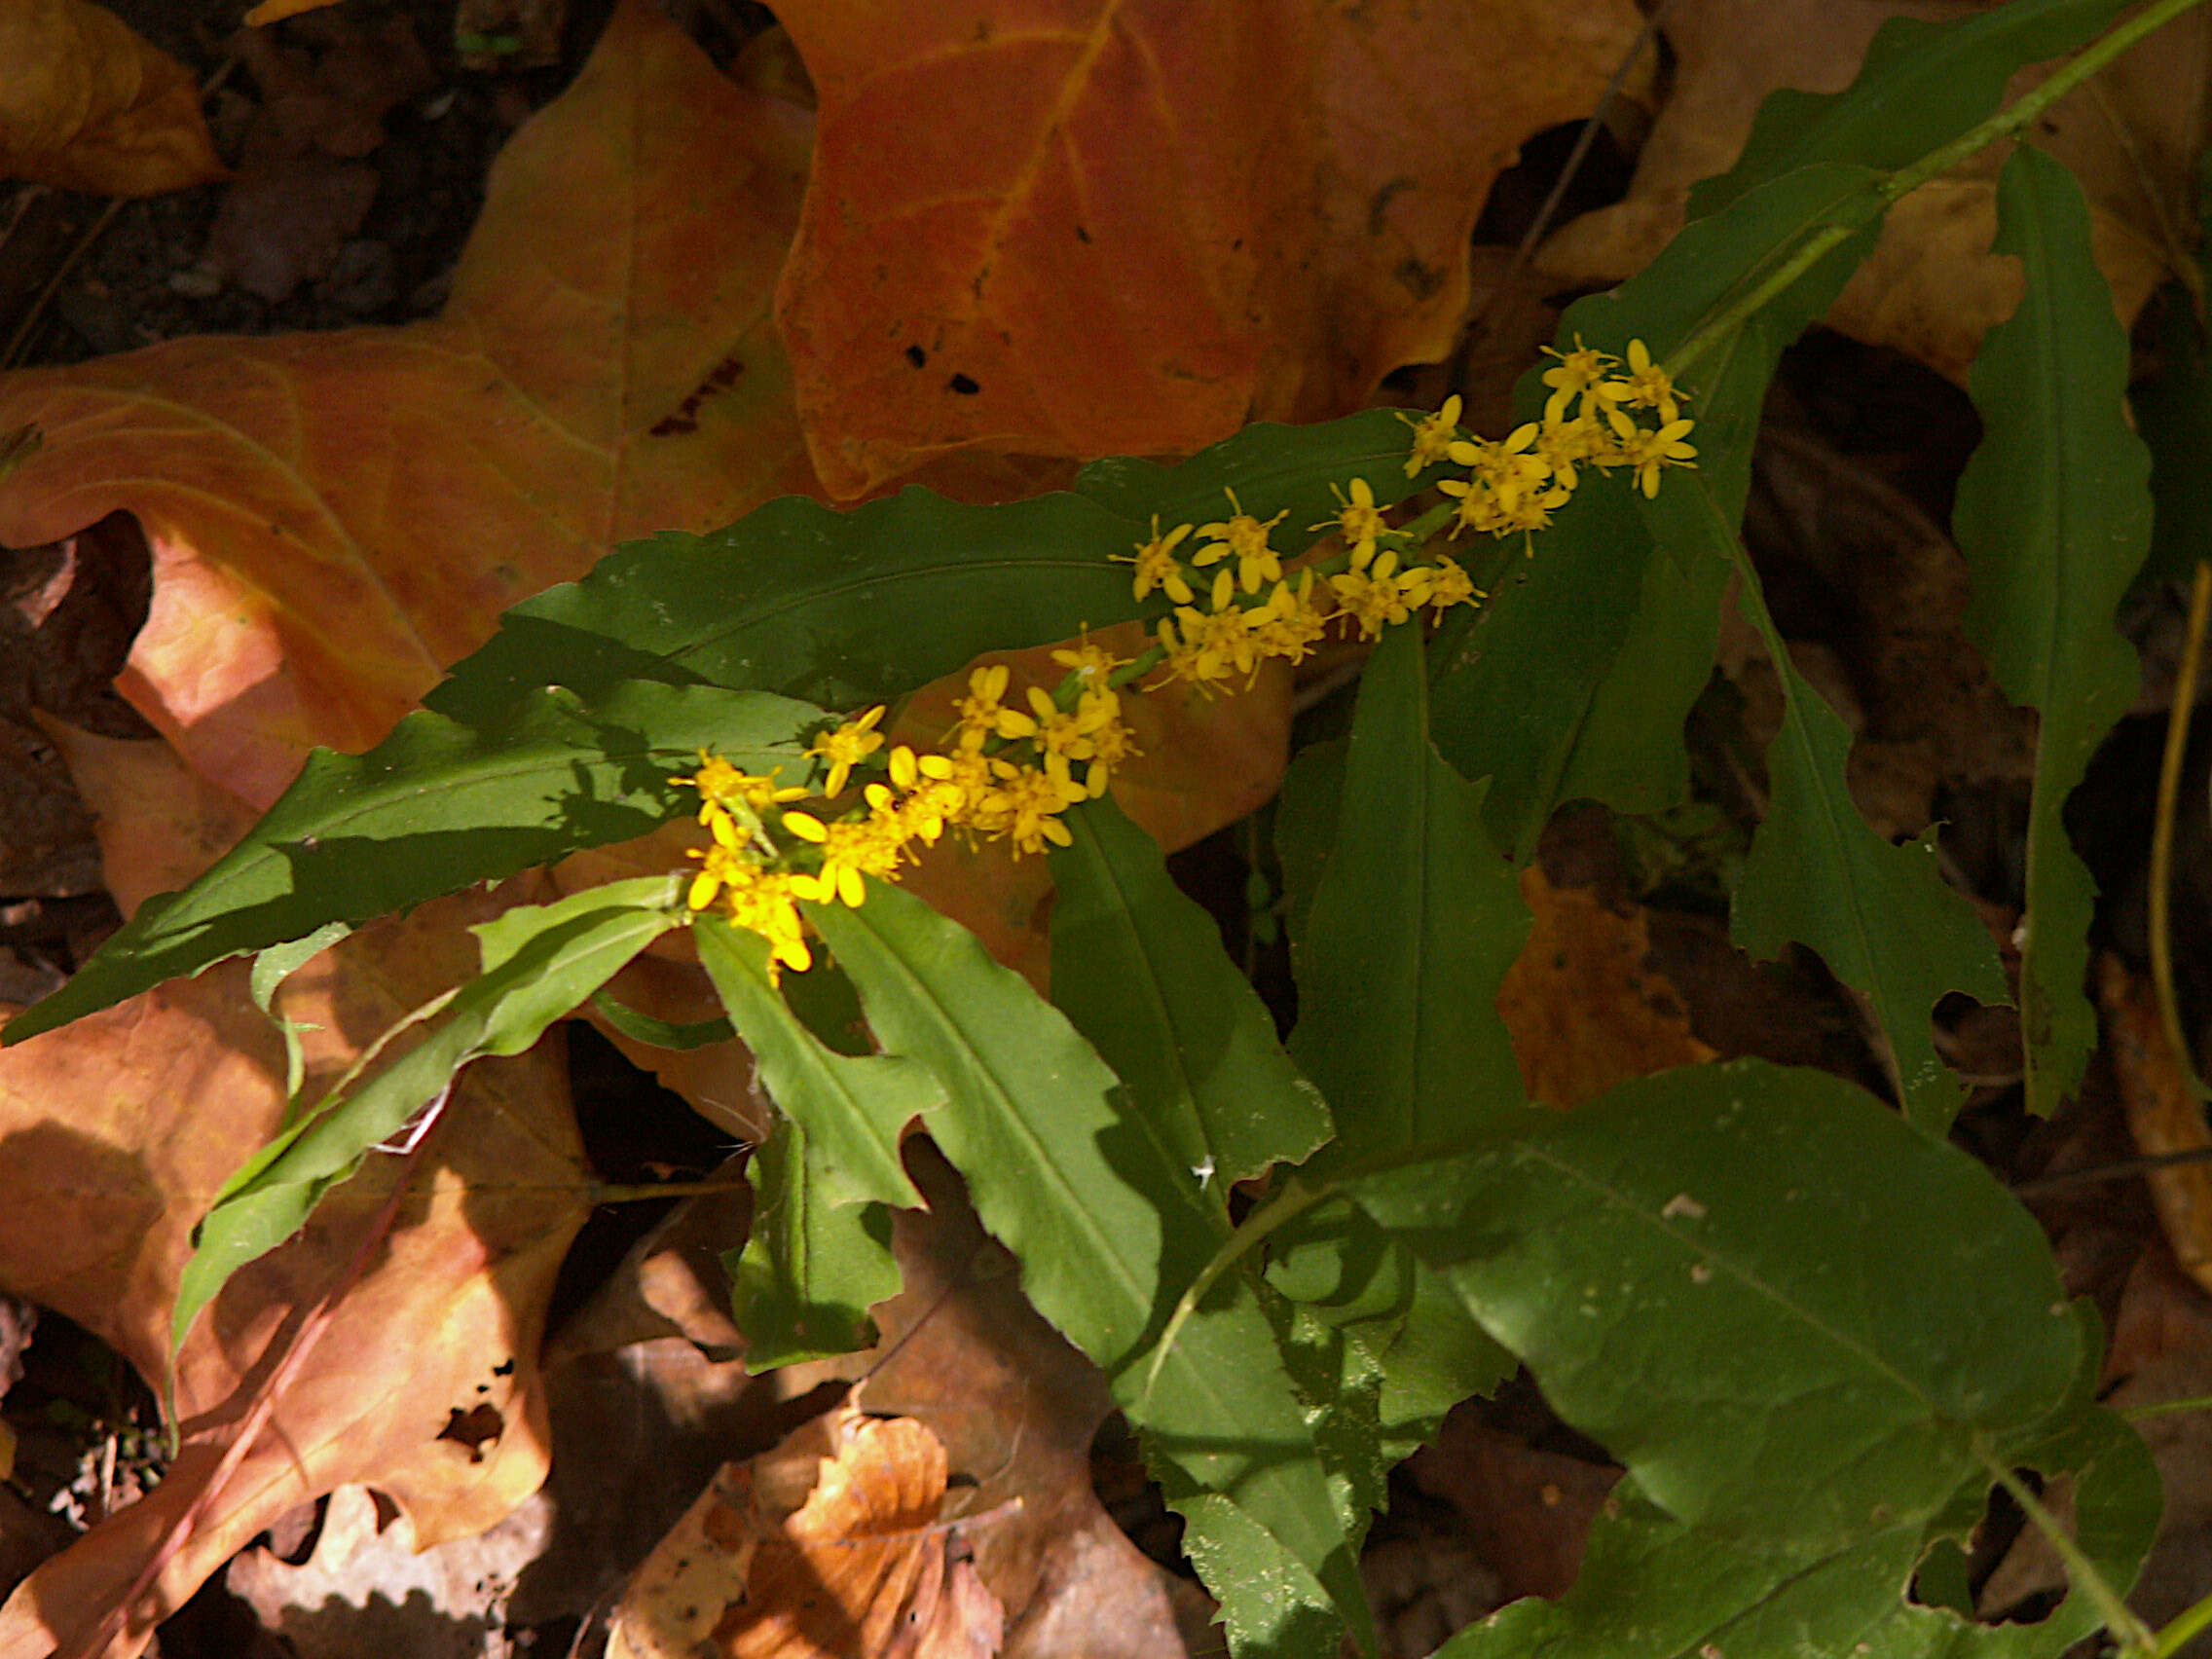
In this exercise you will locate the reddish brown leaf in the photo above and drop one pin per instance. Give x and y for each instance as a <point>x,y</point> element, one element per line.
<point>862,1566</point>
<point>1585,1008</point>
<point>1087,227</point>
<point>160,1099</point>
<point>86,104</point>
<point>336,517</point>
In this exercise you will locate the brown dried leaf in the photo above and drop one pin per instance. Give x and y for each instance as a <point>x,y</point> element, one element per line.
<point>86,104</point>
<point>115,1133</point>
<point>1174,218</point>
<point>2163,1114</point>
<point>1585,1010</point>
<point>1932,288</point>
<point>862,1566</point>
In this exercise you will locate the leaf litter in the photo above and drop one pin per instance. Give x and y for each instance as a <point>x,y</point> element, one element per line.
<point>359,505</point>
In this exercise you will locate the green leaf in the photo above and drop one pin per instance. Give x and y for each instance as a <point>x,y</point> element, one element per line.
<point>819,1255</point>
<point>1793,1316</point>
<point>671,1034</point>
<point>811,1268</point>
<point>540,962</point>
<point>1417,919</point>
<point>435,807</point>
<point>1109,1224</point>
<point>1816,874</point>
<point>813,602</point>
<point>1414,921</point>
<point>1527,691</point>
<point>2053,516</point>
<point>853,1108</point>
<point>271,969</point>
<point>1139,969</point>
<point>1921,86</point>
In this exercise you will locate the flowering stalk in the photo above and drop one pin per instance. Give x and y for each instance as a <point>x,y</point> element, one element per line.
<point>1009,770</point>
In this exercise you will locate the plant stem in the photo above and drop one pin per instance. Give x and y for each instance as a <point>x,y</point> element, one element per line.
<point>1825,240</point>
<point>2163,830</point>
<point>2131,1632</point>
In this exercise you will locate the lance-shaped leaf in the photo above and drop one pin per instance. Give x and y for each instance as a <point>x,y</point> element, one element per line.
<point>1919,86</point>
<point>1138,968</point>
<point>1109,1225</point>
<point>1517,685</point>
<point>2053,516</point>
<point>1794,1317</point>
<point>540,962</point>
<point>813,602</point>
<point>819,1254</point>
<point>1880,916</point>
<point>811,1268</point>
<point>435,807</point>
<point>1415,923</point>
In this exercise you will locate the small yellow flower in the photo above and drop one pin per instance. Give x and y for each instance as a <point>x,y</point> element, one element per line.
<point>1645,386</point>
<point>1290,623</point>
<point>847,746</point>
<point>1246,537</point>
<point>1359,521</point>
<point>1576,378</point>
<point>982,715</point>
<point>1648,452</point>
<point>1381,595</point>
<point>1432,433</point>
<point>722,787</point>
<point>1156,563</point>
<point>1450,585</point>
<point>1094,664</point>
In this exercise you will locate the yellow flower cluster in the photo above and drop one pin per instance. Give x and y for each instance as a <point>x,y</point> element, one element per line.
<point>1601,413</point>
<point>1008,773</point>
<point>1255,612</point>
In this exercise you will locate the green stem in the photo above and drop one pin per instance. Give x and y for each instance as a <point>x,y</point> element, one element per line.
<point>1825,240</point>
<point>2131,1632</point>
<point>2168,1408</point>
<point>2181,1628</point>
<point>1293,1201</point>
<point>2163,832</point>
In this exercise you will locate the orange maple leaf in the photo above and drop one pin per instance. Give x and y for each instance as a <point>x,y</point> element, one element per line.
<point>1097,226</point>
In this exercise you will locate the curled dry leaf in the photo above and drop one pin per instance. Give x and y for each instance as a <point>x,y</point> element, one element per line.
<point>864,1565</point>
<point>1175,218</point>
<point>86,104</point>
<point>1932,288</point>
<point>1585,1010</point>
<point>115,1133</point>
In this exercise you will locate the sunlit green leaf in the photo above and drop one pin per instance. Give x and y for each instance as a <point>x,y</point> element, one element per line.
<point>815,603</point>
<point>435,807</point>
<point>811,1268</point>
<point>1789,1314</point>
<point>1110,1224</point>
<point>540,962</point>
<point>2053,516</point>
<point>1139,969</point>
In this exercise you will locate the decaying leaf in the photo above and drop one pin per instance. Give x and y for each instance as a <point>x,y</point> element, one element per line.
<point>366,1589</point>
<point>1177,218</point>
<point>1932,288</point>
<point>1585,1010</point>
<point>87,105</point>
<point>163,1096</point>
<point>336,517</point>
<point>2163,1114</point>
<point>866,1563</point>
